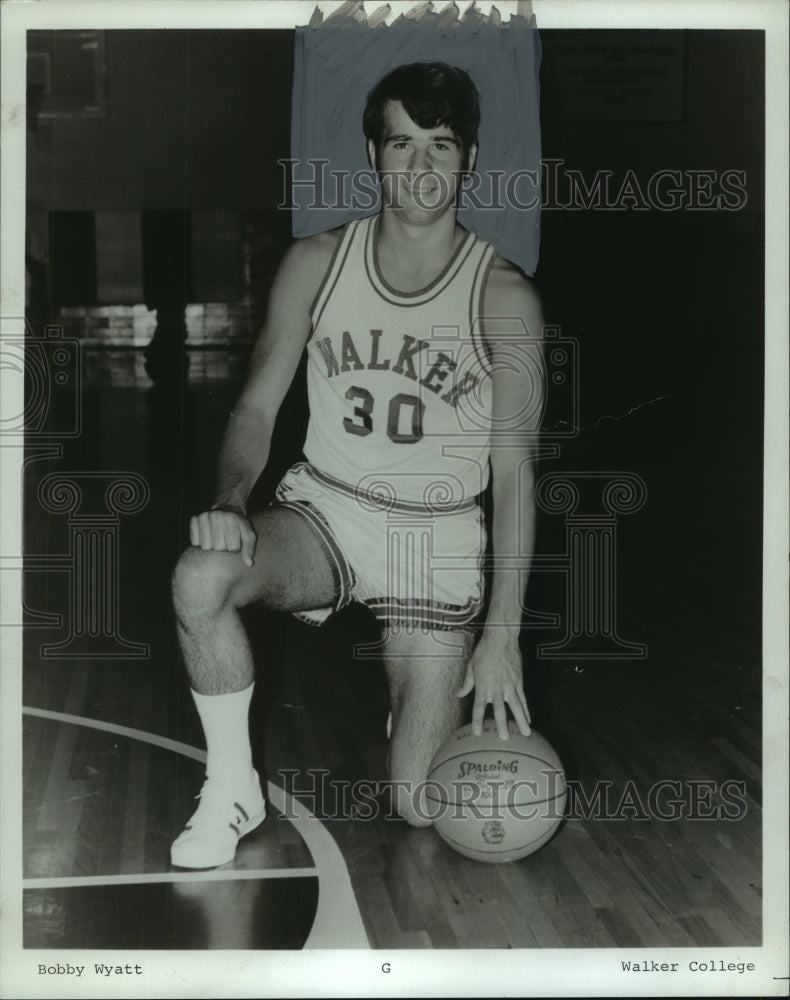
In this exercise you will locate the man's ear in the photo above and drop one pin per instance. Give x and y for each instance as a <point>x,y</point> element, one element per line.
<point>471,157</point>
<point>372,154</point>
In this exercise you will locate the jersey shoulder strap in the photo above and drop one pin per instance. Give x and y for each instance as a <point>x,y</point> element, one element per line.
<point>477,306</point>
<point>339,257</point>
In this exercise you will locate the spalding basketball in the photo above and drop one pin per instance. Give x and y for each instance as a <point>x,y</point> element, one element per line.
<point>496,800</point>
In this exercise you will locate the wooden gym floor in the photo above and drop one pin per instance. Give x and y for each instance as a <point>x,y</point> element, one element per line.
<point>112,746</point>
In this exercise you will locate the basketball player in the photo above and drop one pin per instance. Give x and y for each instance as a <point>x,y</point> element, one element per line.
<point>403,391</point>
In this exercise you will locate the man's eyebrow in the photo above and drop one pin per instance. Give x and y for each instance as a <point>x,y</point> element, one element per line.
<point>437,137</point>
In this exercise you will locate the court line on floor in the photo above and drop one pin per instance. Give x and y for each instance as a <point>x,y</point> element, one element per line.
<point>335,892</point>
<point>214,875</point>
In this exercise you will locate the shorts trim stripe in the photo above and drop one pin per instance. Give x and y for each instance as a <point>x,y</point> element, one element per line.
<point>386,503</point>
<point>341,570</point>
<point>431,613</point>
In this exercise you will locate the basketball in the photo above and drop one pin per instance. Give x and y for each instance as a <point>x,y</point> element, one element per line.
<point>496,800</point>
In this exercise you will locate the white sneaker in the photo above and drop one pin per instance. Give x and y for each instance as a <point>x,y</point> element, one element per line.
<point>224,816</point>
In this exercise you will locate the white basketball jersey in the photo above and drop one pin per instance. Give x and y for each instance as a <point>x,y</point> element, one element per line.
<point>398,382</point>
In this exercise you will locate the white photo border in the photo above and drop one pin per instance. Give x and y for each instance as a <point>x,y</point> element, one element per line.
<point>573,972</point>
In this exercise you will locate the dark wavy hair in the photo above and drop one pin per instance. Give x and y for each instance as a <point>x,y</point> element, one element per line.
<point>431,94</point>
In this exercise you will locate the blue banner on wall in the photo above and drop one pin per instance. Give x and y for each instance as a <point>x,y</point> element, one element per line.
<point>335,68</point>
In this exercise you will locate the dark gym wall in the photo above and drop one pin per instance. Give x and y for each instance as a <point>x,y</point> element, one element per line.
<point>195,119</point>
<point>668,312</point>
<point>199,118</point>
<point>722,124</point>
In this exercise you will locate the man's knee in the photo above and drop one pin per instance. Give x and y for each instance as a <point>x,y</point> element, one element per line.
<point>408,798</point>
<point>416,819</point>
<point>203,583</point>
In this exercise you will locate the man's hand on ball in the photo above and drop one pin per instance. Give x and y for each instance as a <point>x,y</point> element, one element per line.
<point>224,529</point>
<point>495,673</point>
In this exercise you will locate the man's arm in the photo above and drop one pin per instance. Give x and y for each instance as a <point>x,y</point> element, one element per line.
<point>247,439</point>
<point>495,669</point>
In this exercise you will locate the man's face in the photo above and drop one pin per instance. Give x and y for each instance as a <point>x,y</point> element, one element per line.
<point>419,168</point>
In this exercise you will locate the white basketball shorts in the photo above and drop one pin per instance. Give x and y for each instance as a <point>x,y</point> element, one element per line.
<point>412,566</point>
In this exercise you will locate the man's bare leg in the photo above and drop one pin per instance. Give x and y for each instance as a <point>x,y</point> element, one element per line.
<point>425,672</point>
<point>291,572</point>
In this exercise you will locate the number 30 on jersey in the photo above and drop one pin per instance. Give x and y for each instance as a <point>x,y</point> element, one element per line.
<point>401,407</point>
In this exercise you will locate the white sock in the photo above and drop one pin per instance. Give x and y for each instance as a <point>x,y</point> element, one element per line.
<point>226,728</point>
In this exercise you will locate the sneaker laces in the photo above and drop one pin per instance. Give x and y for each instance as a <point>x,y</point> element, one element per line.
<point>217,803</point>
